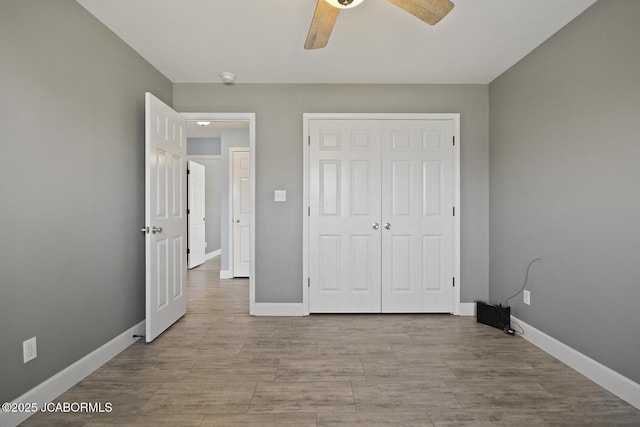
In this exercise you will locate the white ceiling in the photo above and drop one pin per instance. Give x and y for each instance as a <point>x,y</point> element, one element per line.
<point>261,41</point>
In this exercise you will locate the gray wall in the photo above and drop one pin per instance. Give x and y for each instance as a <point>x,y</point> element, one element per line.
<point>213,203</point>
<point>72,186</point>
<point>279,110</point>
<point>564,185</point>
<point>203,146</point>
<point>230,138</point>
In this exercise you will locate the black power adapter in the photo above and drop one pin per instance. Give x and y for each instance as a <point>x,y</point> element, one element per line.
<point>497,316</point>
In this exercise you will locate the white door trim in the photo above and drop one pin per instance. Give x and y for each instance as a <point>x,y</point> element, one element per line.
<point>307,117</point>
<point>251,118</point>
<point>231,234</point>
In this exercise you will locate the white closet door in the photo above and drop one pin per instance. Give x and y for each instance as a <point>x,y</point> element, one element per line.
<point>344,239</point>
<point>417,216</point>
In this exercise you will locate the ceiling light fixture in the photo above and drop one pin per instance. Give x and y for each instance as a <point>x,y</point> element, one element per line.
<point>203,124</point>
<point>344,4</point>
<point>227,77</point>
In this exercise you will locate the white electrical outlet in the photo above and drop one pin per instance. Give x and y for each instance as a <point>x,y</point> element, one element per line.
<point>527,297</point>
<point>29,349</point>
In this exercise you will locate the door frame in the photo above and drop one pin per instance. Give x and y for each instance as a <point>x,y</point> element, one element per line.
<point>306,119</point>
<point>231,234</point>
<point>251,119</point>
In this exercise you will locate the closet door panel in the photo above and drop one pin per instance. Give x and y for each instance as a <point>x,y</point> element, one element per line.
<point>344,244</point>
<point>417,215</point>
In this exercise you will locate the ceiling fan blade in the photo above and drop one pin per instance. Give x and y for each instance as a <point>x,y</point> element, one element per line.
<point>324,18</point>
<point>429,11</point>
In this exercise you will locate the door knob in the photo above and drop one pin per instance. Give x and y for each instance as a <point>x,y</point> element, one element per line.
<point>236,220</point>
<point>155,229</point>
<point>387,226</point>
<point>375,226</point>
<point>145,230</point>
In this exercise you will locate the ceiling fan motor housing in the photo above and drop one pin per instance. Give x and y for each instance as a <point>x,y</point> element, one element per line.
<point>345,2</point>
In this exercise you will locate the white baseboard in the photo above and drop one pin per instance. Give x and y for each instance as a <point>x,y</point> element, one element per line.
<point>467,309</point>
<point>607,378</point>
<point>295,309</point>
<point>226,274</point>
<point>212,255</point>
<point>278,309</point>
<point>62,381</point>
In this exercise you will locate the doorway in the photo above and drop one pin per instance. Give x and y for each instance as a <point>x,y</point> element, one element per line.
<point>231,123</point>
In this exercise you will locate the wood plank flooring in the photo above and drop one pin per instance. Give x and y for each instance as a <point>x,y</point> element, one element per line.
<point>218,366</point>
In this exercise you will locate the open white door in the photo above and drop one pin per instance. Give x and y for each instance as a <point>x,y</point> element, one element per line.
<point>165,216</point>
<point>241,213</point>
<point>196,255</point>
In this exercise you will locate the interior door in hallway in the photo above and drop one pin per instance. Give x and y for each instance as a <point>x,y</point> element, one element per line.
<point>165,216</point>
<point>196,214</point>
<point>241,212</point>
<point>417,216</point>
<point>344,223</point>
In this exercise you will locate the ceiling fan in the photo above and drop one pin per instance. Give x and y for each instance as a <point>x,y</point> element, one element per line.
<point>326,14</point>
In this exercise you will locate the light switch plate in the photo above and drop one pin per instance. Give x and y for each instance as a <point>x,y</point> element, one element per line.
<point>280,196</point>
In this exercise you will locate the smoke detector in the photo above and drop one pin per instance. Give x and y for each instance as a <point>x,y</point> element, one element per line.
<point>227,77</point>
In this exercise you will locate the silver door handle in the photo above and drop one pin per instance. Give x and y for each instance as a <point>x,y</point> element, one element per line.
<point>145,230</point>
<point>155,229</point>
<point>375,226</point>
<point>236,221</point>
<point>387,226</point>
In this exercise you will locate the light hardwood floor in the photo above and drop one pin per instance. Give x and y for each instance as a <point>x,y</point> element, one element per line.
<point>220,367</point>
